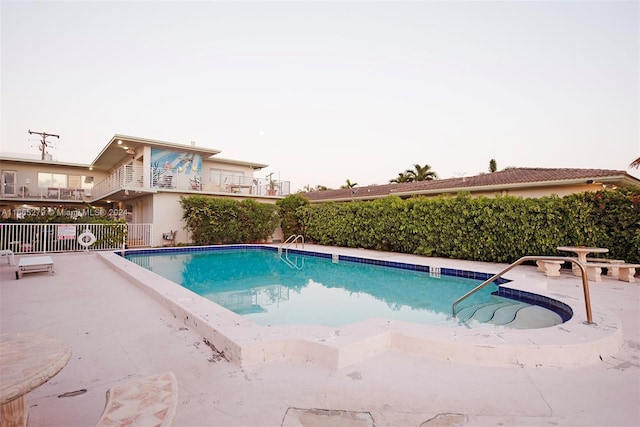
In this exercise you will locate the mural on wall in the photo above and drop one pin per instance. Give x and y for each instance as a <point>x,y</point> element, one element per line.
<point>175,169</point>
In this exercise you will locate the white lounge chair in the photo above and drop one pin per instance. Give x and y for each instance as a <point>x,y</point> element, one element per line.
<point>34,265</point>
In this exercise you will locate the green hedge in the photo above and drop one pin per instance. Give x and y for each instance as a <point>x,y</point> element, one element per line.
<point>287,208</point>
<point>222,221</point>
<point>500,229</point>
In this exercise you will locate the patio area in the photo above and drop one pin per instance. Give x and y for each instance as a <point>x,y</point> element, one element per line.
<point>118,333</point>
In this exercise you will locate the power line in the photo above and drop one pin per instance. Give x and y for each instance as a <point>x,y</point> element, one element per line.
<point>44,143</point>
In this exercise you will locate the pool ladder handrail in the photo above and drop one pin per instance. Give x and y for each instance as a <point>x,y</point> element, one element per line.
<point>286,244</point>
<point>585,280</point>
<point>290,241</point>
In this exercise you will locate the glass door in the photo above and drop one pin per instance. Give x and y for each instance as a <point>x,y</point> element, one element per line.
<point>9,179</point>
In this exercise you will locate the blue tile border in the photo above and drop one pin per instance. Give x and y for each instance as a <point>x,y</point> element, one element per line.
<point>562,309</point>
<point>309,253</point>
<point>189,249</point>
<point>425,268</point>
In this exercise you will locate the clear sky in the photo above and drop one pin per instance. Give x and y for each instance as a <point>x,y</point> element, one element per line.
<point>331,90</point>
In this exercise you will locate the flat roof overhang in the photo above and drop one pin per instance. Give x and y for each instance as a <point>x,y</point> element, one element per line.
<point>122,146</point>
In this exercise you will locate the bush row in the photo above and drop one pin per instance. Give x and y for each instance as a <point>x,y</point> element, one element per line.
<point>223,221</point>
<point>500,229</point>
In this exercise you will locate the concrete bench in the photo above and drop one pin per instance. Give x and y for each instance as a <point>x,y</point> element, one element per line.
<point>611,270</point>
<point>626,272</point>
<point>34,265</point>
<point>549,267</point>
<point>150,401</point>
<point>607,260</point>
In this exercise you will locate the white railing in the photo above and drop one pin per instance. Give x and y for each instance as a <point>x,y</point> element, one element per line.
<point>54,193</point>
<point>43,238</point>
<point>134,178</point>
<point>112,183</point>
<point>139,235</point>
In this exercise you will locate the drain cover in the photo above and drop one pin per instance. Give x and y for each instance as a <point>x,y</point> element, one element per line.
<point>296,417</point>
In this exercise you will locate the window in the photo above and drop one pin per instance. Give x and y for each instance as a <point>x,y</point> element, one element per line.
<point>9,180</point>
<point>75,181</point>
<point>80,181</point>
<point>46,179</point>
<point>228,177</point>
<point>60,180</point>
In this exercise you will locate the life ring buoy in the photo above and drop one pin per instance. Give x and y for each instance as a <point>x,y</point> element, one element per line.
<point>86,239</point>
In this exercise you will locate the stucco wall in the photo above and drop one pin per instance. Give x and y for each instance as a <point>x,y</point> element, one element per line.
<point>167,216</point>
<point>558,190</point>
<point>27,174</point>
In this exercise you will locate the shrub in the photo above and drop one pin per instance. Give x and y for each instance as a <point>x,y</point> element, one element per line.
<point>222,221</point>
<point>500,229</point>
<point>290,221</point>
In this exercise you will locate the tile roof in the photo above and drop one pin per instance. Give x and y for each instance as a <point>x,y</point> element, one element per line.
<point>506,178</point>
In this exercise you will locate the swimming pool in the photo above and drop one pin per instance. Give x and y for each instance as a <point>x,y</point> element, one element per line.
<point>293,288</point>
<point>242,341</point>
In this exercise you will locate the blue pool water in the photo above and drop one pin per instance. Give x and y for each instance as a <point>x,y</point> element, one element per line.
<point>298,289</point>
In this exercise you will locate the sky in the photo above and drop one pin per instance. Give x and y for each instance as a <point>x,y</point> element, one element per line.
<point>330,91</point>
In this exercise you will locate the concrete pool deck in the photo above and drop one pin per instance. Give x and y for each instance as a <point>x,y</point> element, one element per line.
<point>117,333</point>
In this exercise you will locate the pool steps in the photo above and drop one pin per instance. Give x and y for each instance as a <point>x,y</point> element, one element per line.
<point>512,314</point>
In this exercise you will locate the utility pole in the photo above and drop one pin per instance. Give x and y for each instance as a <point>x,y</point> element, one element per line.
<point>43,143</point>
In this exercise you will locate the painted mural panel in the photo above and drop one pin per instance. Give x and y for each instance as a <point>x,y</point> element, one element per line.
<point>176,169</point>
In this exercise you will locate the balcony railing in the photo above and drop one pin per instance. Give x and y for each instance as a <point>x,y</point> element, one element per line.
<point>138,178</point>
<point>52,193</point>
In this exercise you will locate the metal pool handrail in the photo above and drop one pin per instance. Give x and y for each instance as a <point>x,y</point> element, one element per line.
<point>290,241</point>
<point>585,281</point>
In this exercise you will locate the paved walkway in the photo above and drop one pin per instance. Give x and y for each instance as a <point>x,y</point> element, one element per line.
<point>118,333</point>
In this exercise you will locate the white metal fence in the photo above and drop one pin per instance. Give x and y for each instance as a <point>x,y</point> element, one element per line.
<point>139,235</point>
<point>43,238</point>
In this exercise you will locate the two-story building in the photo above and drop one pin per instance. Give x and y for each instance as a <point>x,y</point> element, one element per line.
<point>134,178</point>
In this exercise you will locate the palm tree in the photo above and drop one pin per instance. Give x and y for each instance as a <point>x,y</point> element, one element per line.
<point>308,188</point>
<point>493,166</point>
<point>350,185</point>
<point>635,163</point>
<point>402,177</point>
<point>420,173</point>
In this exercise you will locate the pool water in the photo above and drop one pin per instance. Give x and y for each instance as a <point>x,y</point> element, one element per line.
<point>298,289</point>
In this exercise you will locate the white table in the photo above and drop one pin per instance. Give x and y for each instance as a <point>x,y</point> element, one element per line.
<point>34,265</point>
<point>28,361</point>
<point>582,252</point>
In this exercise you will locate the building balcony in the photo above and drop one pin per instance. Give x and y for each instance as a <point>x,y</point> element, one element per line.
<point>53,194</point>
<point>140,179</point>
<point>128,179</point>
